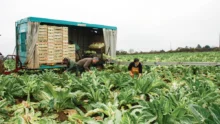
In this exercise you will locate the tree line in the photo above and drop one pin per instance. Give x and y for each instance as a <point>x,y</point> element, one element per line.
<point>199,48</point>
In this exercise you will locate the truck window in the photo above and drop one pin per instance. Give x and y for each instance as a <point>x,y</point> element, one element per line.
<point>23,42</point>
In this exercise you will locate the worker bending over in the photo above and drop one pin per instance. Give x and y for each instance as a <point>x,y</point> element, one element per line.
<point>1,56</point>
<point>135,67</point>
<point>80,66</point>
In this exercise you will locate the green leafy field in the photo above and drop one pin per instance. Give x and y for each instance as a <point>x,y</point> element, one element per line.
<point>175,57</point>
<point>164,95</point>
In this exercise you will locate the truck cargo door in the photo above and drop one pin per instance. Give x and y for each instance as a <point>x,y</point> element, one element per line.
<point>22,36</point>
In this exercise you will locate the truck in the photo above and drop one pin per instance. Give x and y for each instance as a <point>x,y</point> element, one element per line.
<point>42,43</point>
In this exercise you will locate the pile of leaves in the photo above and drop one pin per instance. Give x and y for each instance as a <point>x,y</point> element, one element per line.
<point>164,95</point>
<point>9,64</point>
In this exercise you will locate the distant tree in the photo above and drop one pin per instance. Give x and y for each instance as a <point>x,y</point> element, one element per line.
<point>124,52</point>
<point>198,46</point>
<point>207,47</point>
<point>162,51</point>
<point>118,52</point>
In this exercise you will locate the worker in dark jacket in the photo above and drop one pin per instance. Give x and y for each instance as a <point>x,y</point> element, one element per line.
<point>135,67</point>
<point>70,64</point>
<point>1,56</point>
<point>80,66</point>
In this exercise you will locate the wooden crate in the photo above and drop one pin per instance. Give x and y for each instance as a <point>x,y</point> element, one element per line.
<point>71,45</point>
<point>50,37</point>
<point>42,30</point>
<point>50,29</point>
<point>58,40</point>
<point>58,43</point>
<point>50,63</point>
<point>50,43</point>
<point>72,51</point>
<point>58,49</point>
<point>72,48</point>
<point>65,35</point>
<point>42,39</point>
<point>50,34</point>
<point>42,59</point>
<point>58,56</point>
<point>65,39</point>
<point>65,56</point>
<point>42,62</point>
<point>58,28</point>
<point>65,28</point>
<point>65,46</point>
<point>42,49</point>
<point>43,26</point>
<point>51,48</point>
<point>58,37</point>
<point>58,33</point>
<point>42,54</point>
<point>50,52</point>
<point>40,44</point>
<point>65,51</point>
<point>50,60</point>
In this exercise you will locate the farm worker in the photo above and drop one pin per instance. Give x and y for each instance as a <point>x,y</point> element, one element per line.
<point>135,67</point>
<point>82,65</point>
<point>1,56</point>
<point>70,64</point>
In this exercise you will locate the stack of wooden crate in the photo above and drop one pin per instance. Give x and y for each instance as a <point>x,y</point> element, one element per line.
<point>58,56</point>
<point>50,44</point>
<point>53,45</point>
<point>65,35</point>
<point>58,38</point>
<point>42,33</point>
<point>42,52</point>
<point>68,49</point>
<point>42,43</point>
<point>71,52</point>
<point>65,43</point>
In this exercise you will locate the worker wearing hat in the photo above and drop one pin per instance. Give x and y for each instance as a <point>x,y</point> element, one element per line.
<point>135,67</point>
<point>80,66</point>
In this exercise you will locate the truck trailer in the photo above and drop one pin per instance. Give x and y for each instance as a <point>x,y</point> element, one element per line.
<point>42,43</point>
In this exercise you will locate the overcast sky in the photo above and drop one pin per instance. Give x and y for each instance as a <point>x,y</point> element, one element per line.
<point>143,25</point>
